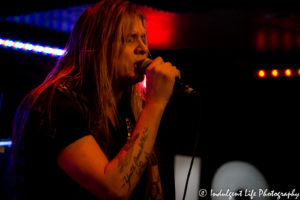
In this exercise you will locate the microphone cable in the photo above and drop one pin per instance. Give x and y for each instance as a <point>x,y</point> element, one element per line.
<point>191,165</point>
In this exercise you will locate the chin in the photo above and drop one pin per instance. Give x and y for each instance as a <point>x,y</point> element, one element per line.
<point>132,80</point>
<point>137,79</point>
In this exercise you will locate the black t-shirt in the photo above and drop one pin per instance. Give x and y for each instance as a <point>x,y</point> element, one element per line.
<point>38,174</point>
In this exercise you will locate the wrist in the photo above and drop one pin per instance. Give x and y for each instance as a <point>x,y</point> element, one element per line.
<point>159,105</point>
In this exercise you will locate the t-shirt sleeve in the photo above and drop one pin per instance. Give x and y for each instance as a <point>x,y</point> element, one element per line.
<point>68,122</point>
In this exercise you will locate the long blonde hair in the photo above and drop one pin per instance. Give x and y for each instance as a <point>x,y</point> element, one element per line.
<point>91,51</point>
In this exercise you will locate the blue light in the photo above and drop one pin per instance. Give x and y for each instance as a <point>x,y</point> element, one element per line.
<point>28,47</point>
<point>5,142</point>
<point>61,20</point>
<point>19,45</point>
<point>36,48</point>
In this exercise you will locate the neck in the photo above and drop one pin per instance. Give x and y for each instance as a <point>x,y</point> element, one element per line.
<point>119,89</point>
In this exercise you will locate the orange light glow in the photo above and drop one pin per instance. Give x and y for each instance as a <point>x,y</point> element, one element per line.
<point>299,72</point>
<point>288,72</point>
<point>261,73</point>
<point>274,73</point>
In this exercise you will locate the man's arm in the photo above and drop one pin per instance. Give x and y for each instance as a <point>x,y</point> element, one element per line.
<point>85,162</point>
<point>156,192</point>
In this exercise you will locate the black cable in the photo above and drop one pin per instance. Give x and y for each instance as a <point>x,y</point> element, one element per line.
<point>191,165</point>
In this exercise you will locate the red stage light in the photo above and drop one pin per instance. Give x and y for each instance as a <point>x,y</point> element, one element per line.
<point>287,41</point>
<point>161,28</point>
<point>261,41</point>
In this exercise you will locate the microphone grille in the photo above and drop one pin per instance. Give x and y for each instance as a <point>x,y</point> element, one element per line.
<point>144,65</point>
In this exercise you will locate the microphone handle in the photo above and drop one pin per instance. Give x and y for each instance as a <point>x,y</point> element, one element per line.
<point>187,89</point>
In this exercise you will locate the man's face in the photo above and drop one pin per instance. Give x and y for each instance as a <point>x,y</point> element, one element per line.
<point>135,50</point>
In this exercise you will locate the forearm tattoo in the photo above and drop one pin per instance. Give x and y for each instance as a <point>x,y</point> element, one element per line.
<point>123,161</point>
<point>156,190</point>
<point>138,166</point>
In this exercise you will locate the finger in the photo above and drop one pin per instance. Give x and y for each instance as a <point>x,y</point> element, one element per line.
<point>158,61</point>
<point>176,72</point>
<point>168,64</point>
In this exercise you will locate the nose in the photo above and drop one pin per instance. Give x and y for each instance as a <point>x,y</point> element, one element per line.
<point>142,48</point>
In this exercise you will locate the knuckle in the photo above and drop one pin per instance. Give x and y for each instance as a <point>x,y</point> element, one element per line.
<point>168,63</point>
<point>158,57</point>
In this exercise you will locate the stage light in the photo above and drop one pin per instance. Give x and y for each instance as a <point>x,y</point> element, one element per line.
<point>28,47</point>
<point>261,41</point>
<point>9,43</point>
<point>287,41</point>
<point>235,176</point>
<point>284,72</point>
<point>288,72</point>
<point>58,52</point>
<point>36,48</point>
<point>5,142</point>
<point>39,48</point>
<point>261,73</point>
<point>162,28</point>
<point>19,45</point>
<point>145,82</point>
<point>275,73</point>
<point>48,50</point>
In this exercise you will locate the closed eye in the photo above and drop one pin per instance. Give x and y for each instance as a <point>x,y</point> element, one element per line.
<point>131,38</point>
<point>134,38</point>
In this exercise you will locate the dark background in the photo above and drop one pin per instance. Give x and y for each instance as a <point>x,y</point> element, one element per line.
<point>238,116</point>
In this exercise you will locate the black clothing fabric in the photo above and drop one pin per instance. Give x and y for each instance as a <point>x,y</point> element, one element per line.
<point>38,174</point>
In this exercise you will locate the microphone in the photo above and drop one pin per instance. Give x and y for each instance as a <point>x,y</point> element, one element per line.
<point>179,83</point>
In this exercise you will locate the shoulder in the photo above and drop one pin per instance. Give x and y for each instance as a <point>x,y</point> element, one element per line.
<point>59,117</point>
<point>60,95</point>
<point>58,106</point>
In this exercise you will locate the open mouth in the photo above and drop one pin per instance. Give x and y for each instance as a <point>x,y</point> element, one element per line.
<point>138,66</point>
